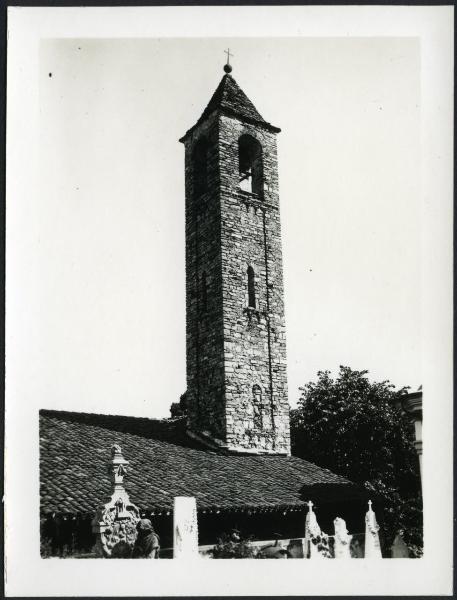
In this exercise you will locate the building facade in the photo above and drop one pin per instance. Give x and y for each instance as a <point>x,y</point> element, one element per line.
<point>411,405</point>
<point>236,347</point>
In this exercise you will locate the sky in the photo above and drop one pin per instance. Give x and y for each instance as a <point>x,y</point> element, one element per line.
<point>105,242</point>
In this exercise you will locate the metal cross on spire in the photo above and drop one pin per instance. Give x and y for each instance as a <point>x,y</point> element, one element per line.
<point>229,54</point>
<point>228,66</point>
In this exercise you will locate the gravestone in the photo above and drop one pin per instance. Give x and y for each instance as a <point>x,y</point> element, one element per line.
<point>115,521</point>
<point>372,544</point>
<point>316,542</point>
<point>342,539</point>
<point>185,528</point>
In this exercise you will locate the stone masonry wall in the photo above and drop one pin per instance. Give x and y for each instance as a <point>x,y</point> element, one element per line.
<point>204,329</point>
<point>254,339</point>
<point>236,355</point>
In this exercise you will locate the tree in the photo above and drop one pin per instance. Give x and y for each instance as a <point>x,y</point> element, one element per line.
<point>352,427</point>
<point>179,409</point>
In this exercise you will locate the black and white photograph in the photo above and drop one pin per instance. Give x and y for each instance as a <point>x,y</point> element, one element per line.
<point>229,300</point>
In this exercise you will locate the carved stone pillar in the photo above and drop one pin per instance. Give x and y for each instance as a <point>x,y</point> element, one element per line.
<point>342,539</point>
<point>115,522</point>
<point>372,544</point>
<point>316,541</point>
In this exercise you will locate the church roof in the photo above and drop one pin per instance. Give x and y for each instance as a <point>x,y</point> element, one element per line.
<point>164,463</point>
<point>230,99</point>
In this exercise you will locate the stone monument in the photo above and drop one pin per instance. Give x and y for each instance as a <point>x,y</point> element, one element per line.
<point>115,521</point>
<point>372,544</point>
<point>185,528</point>
<point>316,542</point>
<point>342,539</point>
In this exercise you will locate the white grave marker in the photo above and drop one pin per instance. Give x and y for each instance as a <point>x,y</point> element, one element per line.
<point>342,539</point>
<point>315,539</point>
<point>185,528</point>
<point>372,545</point>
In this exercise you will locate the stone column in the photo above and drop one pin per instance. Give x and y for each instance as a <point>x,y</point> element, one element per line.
<point>342,539</point>
<point>372,545</point>
<point>115,521</point>
<point>185,528</point>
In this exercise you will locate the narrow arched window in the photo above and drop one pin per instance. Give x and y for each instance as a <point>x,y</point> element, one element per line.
<point>250,165</point>
<point>204,291</point>
<point>200,166</point>
<point>257,406</point>
<point>251,287</point>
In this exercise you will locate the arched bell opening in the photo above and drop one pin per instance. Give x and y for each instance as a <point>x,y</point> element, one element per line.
<point>250,165</point>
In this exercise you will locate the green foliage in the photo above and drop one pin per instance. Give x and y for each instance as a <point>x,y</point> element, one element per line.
<point>233,546</point>
<point>179,409</point>
<point>352,427</point>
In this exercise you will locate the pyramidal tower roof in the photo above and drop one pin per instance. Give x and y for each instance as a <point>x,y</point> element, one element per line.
<point>230,100</point>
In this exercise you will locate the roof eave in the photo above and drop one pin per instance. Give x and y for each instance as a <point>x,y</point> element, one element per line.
<point>231,113</point>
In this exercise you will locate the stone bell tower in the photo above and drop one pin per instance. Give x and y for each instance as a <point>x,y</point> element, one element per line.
<point>235,330</point>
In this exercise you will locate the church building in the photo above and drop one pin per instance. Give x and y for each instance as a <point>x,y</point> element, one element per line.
<point>232,449</point>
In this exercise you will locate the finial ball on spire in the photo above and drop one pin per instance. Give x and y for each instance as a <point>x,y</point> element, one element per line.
<point>228,66</point>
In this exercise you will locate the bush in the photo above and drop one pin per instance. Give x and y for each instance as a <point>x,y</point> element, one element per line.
<point>233,546</point>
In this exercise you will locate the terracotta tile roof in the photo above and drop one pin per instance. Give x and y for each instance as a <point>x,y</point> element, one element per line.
<point>230,99</point>
<point>164,463</point>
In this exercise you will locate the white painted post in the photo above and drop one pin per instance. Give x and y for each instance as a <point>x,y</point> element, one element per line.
<point>185,528</point>
<point>342,539</point>
<point>372,545</point>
